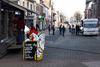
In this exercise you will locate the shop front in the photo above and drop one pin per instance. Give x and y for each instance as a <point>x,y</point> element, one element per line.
<point>9,14</point>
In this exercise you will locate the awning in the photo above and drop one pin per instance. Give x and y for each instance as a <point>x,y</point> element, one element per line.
<point>19,7</point>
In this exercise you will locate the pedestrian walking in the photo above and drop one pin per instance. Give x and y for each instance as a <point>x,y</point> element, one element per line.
<point>63,30</point>
<point>77,29</point>
<point>53,30</point>
<point>37,27</point>
<point>69,28</point>
<point>49,28</point>
<point>72,29</point>
<point>60,29</point>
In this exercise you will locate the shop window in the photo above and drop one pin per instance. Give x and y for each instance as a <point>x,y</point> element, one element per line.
<point>2,24</point>
<point>11,24</point>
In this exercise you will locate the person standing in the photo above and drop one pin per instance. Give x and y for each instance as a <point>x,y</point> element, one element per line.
<point>20,24</point>
<point>69,28</point>
<point>33,33</point>
<point>77,29</point>
<point>72,29</point>
<point>53,30</point>
<point>60,29</point>
<point>63,30</point>
<point>37,27</point>
<point>49,28</point>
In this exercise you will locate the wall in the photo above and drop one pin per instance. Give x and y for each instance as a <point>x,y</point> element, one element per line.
<point>98,9</point>
<point>46,2</point>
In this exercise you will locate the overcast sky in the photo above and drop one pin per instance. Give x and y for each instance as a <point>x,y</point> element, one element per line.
<point>69,7</point>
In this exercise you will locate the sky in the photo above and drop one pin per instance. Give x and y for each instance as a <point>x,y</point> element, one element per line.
<point>69,7</point>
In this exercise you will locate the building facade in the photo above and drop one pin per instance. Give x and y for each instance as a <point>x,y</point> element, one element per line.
<point>57,17</point>
<point>87,9</point>
<point>30,14</point>
<point>9,10</point>
<point>92,9</point>
<point>42,11</point>
<point>97,2</point>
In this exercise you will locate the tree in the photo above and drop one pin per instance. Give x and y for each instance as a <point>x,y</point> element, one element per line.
<point>78,16</point>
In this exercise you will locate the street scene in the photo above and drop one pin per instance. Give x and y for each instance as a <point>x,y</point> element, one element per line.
<point>42,33</point>
<point>71,51</point>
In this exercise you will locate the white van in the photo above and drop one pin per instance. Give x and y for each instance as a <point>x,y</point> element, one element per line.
<point>90,27</point>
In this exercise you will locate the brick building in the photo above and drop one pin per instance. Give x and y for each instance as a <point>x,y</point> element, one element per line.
<point>94,10</point>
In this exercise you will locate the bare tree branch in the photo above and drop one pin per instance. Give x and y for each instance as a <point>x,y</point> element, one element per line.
<point>78,16</point>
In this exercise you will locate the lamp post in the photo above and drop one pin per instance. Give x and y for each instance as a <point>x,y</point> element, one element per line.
<point>41,19</point>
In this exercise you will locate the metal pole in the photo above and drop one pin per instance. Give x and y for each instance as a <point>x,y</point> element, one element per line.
<point>0,17</point>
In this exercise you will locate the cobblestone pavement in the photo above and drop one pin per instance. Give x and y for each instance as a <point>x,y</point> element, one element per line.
<point>60,52</point>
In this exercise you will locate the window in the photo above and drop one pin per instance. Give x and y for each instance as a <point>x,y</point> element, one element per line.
<point>90,25</point>
<point>27,4</point>
<point>31,6</point>
<point>23,3</point>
